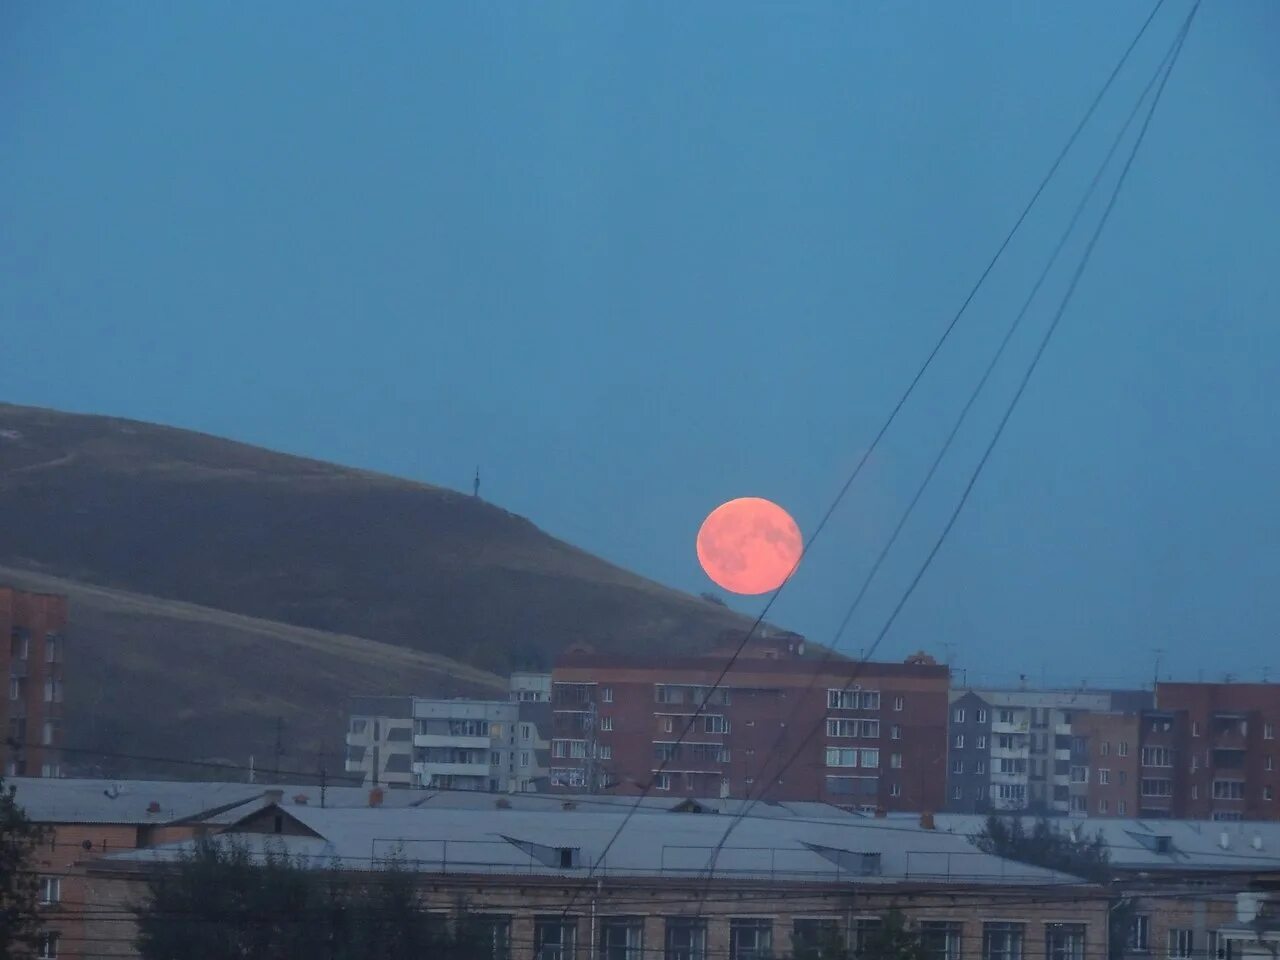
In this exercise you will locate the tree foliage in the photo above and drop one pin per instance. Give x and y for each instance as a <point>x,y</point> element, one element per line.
<point>892,939</point>
<point>221,901</point>
<point>19,884</point>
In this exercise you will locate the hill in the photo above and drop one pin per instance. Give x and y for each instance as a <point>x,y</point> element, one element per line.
<point>177,515</point>
<point>151,678</point>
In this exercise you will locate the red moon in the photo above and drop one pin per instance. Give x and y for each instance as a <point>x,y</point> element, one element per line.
<point>749,545</point>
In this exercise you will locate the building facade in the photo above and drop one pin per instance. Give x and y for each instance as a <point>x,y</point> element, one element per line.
<point>778,726</point>
<point>34,625</point>
<point>498,746</point>
<point>1033,750</point>
<point>1210,751</point>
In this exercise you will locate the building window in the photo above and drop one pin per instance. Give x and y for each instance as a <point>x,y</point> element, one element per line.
<point>524,758</point>
<point>1104,749</point>
<point>870,700</point>
<point>838,699</point>
<point>957,793</point>
<point>982,715</point>
<point>526,731</point>
<point>1139,933</point>
<point>957,766</point>
<point>1181,943</point>
<point>1124,777</point>
<point>1004,741</point>
<point>815,939</point>
<point>606,694</point>
<point>621,938</point>
<point>666,725</point>
<point>1268,731</point>
<point>940,939</point>
<point>1079,804</point>
<point>1013,792</point>
<point>686,939</point>
<point>1195,728</point>
<point>864,930</point>
<point>1064,941</point>
<point>559,748</point>
<point>715,723</point>
<point>959,741</point>
<point>606,752</point>
<point>1104,776</point>
<point>980,767</point>
<point>1104,805</point>
<point>1079,774</point>
<point>841,757</point>
<point>48,732</point>
<point>981,742</point>
<point>1157,757</point>
<point>15,688</point>
<point>662,781</point>
<point>750,939</point>
<point>899,703</point>
<point>1002,941</point>
<point>50,890</point>
<point>554,938</point>
<point>1004,716</point>
<point>895,761</point>
<point>895,732</point>
<point>1269,763</point>
<point>895,790</point>
<point>1228,789</point>
<point>1156,788</point>
<point>48,946</point>
<point>1268,793</point>
<point>606,724</point>
<point>1195,791</point>
<point>1122,749</point>
<point>958,715</point>
<point>1122,807</point>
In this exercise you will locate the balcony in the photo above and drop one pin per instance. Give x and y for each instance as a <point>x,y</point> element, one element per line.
<point>451,740</point>
<point>1018,726</point>
<point>431,768</point>
<point>18,668</point>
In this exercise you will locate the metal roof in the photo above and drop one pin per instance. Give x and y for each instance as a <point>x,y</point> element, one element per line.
<point>656,844</point>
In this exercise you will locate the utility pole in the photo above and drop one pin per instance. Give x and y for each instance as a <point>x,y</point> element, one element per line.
<point>324,780</point>
<point>275,770</point>
<point>1156,675</point>
<point>475,484</point>
<point>251,768</point>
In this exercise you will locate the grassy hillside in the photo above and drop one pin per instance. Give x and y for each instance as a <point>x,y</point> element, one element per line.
<point>182,516</point>
<point>160,678</point>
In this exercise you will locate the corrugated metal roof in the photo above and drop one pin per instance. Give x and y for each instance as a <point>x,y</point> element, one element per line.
<point>452,840</point>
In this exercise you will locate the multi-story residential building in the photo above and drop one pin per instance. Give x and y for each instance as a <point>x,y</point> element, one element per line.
<point>779,726</point>
<point>34,625</point>
<point>531,687</point>
<point>488,745</point>
<point>1031,749</point>
<point>1211,751</point>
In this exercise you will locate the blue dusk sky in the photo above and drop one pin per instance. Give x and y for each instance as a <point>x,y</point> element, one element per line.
<point>635,259</point>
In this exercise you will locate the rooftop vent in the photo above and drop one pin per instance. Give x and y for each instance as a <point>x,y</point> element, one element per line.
<point>1257,841</point>
<point>300,799</point>
<point>1224,840</point>
<point>502,803</point>
<point>375,797</point>
<point>273,796</point>
<point>153,806</point>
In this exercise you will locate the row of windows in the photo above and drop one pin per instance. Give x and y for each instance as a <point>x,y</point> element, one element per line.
<point>20,646</point>
<point>849,757</point>
<point>840,699</point>
<point>52,689</point>
<point>753,938</point>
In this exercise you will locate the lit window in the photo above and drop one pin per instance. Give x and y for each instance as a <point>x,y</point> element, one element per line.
<point>48,948</point>
<point>606,694</point>
<point>606,724</point>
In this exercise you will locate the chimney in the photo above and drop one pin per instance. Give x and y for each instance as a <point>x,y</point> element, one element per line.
<point>273,796</point>
<point>926,821</point>
<point>375,797</point>
<point>153,806</point>
<point>300,799</point>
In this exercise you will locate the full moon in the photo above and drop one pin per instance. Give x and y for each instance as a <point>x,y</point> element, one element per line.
<point>749,545</point>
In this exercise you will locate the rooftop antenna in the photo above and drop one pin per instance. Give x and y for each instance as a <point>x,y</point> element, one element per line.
<point>475,484</point>
<point>1158,651</point>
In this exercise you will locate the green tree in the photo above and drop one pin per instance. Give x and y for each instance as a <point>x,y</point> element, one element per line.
<point>20,922</point>
<point>220,901</point>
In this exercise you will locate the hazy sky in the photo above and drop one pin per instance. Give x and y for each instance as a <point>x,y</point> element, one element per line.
<point>636,259</point>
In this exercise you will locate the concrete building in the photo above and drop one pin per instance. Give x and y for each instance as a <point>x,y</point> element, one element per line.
<point>486,745</point>
<point>1032,749</point>
<point>33,627</point>
<point>779,725</point>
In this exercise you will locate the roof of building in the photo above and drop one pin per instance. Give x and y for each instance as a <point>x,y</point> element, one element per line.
<point>526,842</point>
<point>1135,844</point>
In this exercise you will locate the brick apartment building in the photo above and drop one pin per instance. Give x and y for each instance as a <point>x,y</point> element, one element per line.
<point>1210,752</point>
<point>880,744</point>
<point>34,625</point>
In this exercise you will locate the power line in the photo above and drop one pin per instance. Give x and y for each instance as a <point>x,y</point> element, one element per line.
<point>1161,75</point>
<point>911,386</point>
